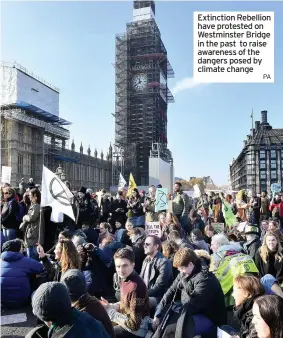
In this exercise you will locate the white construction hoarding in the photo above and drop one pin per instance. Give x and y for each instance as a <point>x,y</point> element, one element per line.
<point>21,88</point>
<point>161,172</point>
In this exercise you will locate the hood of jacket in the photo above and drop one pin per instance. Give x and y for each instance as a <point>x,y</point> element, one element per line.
<point>231,247</point>
<point>10,256</point>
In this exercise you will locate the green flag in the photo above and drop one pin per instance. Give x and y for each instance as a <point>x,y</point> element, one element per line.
<point>230,218</point>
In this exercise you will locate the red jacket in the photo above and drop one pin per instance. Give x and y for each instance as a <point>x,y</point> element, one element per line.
<point>279,206</point>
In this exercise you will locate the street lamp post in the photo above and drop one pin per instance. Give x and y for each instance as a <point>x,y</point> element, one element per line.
<point>60,173</point>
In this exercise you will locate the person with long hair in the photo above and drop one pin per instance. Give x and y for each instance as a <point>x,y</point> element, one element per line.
<point>171,223</point>
<point>66,256</point>
<point>246,289</point>
<point>269,257</point>
<point>137,215</point>
<point>267,316</point>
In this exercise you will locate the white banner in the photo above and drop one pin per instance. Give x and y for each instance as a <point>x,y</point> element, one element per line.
<point>6,174</point>
<point>55,194</point>
<point>122,182</point>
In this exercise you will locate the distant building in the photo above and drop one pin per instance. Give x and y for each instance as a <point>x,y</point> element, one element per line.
<point>260,163</point>
<point>33,134</point>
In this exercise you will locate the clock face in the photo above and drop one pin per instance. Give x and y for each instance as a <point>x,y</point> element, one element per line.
<point>140,82</point>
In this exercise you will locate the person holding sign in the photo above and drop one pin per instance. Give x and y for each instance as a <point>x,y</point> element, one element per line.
<point>149,206</point>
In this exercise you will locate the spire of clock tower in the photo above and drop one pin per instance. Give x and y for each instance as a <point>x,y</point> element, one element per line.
<point>143,10</point>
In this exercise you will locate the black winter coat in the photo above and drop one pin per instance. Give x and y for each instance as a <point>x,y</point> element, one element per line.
<point>244,315</point>
<point>201,293</point>
<point>160,275</point>
<point>252,247</point>
<point>270,266</point>
<point>9,216</point>
<point>119,211</point>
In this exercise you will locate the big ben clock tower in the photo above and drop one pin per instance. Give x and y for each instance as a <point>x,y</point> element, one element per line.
<point>142,94</point>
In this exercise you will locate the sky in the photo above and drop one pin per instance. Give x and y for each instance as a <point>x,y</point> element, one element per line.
<point>72,46</point>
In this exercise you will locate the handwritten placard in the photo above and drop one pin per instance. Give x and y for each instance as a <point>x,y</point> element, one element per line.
<point>153,228</point>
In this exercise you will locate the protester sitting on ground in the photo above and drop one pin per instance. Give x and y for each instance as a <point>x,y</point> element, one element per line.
<point>253,242</point>
<point>131,314</point>
<point>227,262</point>
<point>15,273</point>
<point>169,248</point>
<point>171,224</point>
<point>195,222</point>
<point>201,297</point>
<point>75,283</point>
<point>67,257</point>
<point>137,236</point>
<point>181,242</point>
<point>156,270</point>
<point>220,246</point>
<point>121,234</point>
<point>104,231</point>
<point>267,316</point>
<point>209,232</point>
<point>52,304</point>
<point>31,226</point>
<point>264,228</point>
<point>245,290</point>
<point>269,257</point>
<point>65,234</point>
<point>198,240</point>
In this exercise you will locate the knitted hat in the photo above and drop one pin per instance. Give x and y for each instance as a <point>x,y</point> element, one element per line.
<point>51,302</point>
<point>14,245</point>
<point>251,229</point>
<point>74,280</point>
<point>82,190</point>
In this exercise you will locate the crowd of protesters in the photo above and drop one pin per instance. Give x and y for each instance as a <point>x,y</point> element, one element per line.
<point>103,275</point>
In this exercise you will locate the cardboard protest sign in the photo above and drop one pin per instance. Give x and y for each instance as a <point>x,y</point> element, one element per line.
<point>161,199</point>
<point>153,228</point>
<point>218,227</point>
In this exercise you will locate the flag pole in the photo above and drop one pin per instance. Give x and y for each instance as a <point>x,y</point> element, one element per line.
<point>252,117</point>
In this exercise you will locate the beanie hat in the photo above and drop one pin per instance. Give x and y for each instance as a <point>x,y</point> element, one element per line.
<point>82,190</point>
<point>74,280</point>
<point>251,229</point>
<point>51,302</point>
<point>14,245</point>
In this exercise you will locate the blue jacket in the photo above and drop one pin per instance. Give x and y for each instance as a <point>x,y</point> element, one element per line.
<point>15,272</point>
<point>83,325</point>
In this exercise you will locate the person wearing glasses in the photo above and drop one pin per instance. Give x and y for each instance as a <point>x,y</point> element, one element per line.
<point>9,212</point>
<point>156,270</point>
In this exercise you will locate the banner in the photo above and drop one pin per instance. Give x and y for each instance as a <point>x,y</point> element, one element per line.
<point>161,199</point>
<point>230,218</point>
<point>55,194</point>
<point>198,190</point>
<point>153,228</point>
<point>132,185</point>
<point>122,182</point>
<point>6,174</point>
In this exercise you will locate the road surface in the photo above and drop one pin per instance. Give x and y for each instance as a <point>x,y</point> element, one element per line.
<point>23,321</point>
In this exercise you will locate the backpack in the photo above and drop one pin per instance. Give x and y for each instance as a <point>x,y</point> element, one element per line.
<point>21,211</point>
